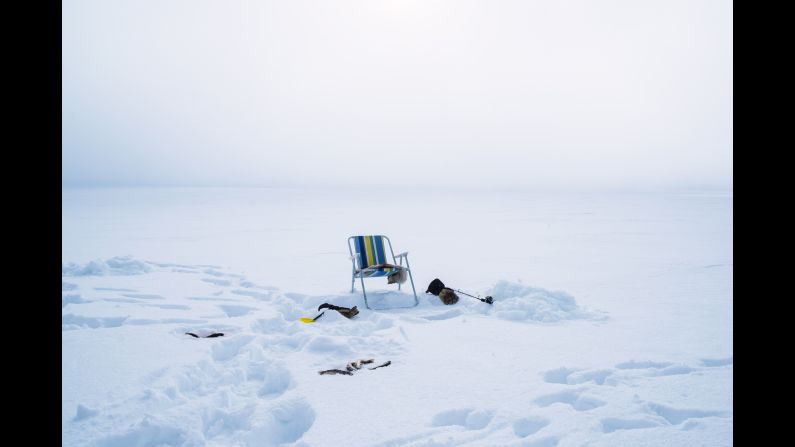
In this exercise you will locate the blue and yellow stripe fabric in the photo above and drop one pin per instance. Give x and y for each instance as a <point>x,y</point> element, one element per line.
<point>371,252</point>
<point>370,249</point>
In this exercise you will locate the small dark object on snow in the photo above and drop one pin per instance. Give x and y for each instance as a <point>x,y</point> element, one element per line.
<point>388,362</point>
<point>354,366</point>
<point>448,296</point>
<point>437,288</point>
<point>213,335</point>
<point>347,312</point>
<point>335,371</point>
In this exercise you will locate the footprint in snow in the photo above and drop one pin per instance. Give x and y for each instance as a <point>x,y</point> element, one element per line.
<point>229,347</point>
<point>609,425</point>
<point>655,368</point>
<point>274,377</point>
<point>143,296</point>
<point>235,311</point>
<point>575,376</point>
<point>122,300</point>
<point>674,370</point>
<point>72,299</point>
<point>559,375</point>
<point>218,282</point>
<point>444,315</point>
<point>257,295</point>
<point>168,306</point>
<point>676,416</point>
<point>526,426</point>
<point>574,398</point>
<point>718,362</point>
<point>286,423</point>
<point>633,364</point>
<point>207,298</point>
<point>148,321</point>
<point>468,418</point>
<point>84,412</point>
<point>219,421</point>
<point>148,433</point>
<point>71,322</point>
<point>597,376</point>
<point>251,285</point>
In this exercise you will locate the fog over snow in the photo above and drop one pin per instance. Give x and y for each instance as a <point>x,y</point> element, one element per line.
<point>509,93</point>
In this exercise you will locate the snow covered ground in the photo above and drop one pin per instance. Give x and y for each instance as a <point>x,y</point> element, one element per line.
<point>612,320</point>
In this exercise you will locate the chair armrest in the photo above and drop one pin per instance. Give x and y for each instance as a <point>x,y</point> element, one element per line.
<point>373,268</point>
<point>405,254</point>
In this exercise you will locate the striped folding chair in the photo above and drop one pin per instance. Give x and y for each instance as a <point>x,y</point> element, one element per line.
<point>369,260</point>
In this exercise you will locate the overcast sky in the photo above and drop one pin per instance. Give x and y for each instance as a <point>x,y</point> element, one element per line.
<point>531,94</point>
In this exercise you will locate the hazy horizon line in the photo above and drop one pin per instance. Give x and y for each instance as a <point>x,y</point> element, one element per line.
<point>412,187</point>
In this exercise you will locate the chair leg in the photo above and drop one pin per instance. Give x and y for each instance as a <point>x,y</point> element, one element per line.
<point>353,281</point>
<point>416,300</point>
<point>366,304</point>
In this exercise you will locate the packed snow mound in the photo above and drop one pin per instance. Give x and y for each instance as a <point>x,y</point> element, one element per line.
<point>514,301</point>
<point>119,265</point>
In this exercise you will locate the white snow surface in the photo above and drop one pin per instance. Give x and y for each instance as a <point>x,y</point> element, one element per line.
<point>611,323</point>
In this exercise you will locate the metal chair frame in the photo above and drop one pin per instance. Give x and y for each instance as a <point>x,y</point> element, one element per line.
<point>361,273</point>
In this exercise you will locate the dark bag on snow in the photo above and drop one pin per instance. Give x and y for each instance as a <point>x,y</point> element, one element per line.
<point>435,287</point>
<point>446,294</point>
<point>347,312</point>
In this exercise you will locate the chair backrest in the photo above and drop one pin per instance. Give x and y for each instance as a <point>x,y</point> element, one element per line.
<point>371,250</point>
